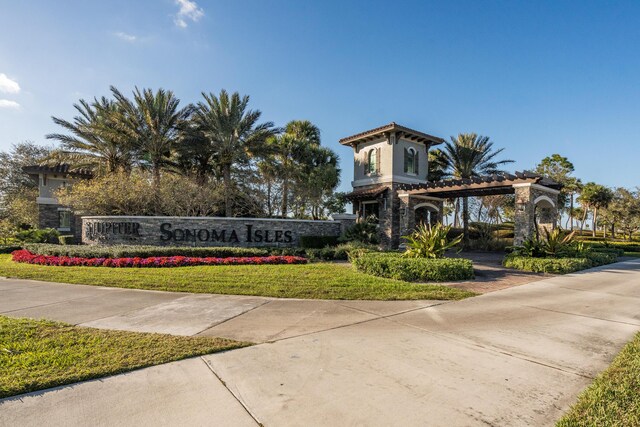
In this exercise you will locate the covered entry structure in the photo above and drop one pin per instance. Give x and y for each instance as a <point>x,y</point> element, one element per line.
<point>536,199</point>
<point>390,184</point>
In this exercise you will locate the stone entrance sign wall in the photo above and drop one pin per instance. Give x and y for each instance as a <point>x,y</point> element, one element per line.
<point>202,231</point>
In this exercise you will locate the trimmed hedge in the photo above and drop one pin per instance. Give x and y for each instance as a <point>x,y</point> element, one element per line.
<point>625,246</point>
<point>395,266</point>
<point>558,265</point>
<point>142,251</point>
<point>317,242</point>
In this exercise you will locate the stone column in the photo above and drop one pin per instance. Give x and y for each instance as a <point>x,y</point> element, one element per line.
<point>528,197</point>
<point>524,226</point>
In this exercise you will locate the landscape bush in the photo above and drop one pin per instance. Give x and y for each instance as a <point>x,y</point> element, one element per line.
<point>393,265</point>
<point>25,256</point>
<point>429,241</point>
<point>334,253</point>
<point>67,240</point>
<point>625,246</point>
<point>123,251</point>
<point>558,265</point>
<point>365,231</point>
<point>45,235</point>
<point>546,265</point>
<point>317,242</point>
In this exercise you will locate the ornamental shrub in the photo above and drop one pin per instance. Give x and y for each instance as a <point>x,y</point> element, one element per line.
<point>25,256</point>
<point>365,231</point>
<point>429,241</point>
<point>124,251</point>
<point>558,265</point>
<point>45,235</point>
<point>317,242</point>
<point>393,265</point>
<point>67,240</point>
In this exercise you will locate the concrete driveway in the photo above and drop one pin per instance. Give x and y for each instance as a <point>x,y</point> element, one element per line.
<point>513,357</point>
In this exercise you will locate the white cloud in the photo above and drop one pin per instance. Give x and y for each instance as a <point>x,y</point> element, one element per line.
<point>130,38</point>
<point>12,105</point>
<point>189,11</point>
<point>7,85</point>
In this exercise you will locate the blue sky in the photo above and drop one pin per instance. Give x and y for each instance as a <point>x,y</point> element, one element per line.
<point>537,77</point>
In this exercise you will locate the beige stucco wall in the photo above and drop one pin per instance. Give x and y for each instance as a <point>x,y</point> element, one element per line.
<point>360,156</point>
<point>391,163</point>
<point>52,185</point>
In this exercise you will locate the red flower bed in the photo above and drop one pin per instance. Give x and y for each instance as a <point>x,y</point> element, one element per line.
<point>168,261</point>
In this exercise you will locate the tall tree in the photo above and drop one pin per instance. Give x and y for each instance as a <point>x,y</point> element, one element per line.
<point>469,155</point>
<point>151,121</point>
<point>232,132</point>
<point>594,197</point>
<point>18,192</point>
<point>93,141</point>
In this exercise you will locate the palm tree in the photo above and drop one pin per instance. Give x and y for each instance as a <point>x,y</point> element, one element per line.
<point>294,149</point>
<point>232,133</point>
<point>152,122</point>
<point>470,155</point>
<point>93,142</point>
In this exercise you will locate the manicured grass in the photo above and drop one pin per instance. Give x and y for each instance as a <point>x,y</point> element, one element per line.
<point>38,354</point>
<point>614,397</point>
<point>319,280</point>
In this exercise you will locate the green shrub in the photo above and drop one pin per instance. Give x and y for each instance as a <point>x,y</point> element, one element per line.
<point>364,231</point>
<point>616,251</point>
<point>558,265</point>
<point>335,253</point>
<point>318,242</point>
<point>395,266</point>
<point>46,235</point>
<point>546,265</point>
<point>141,251</point>
<point>429,241</point>
<point>67,240</point>
<point>601,258</point>
<point>625,246</point>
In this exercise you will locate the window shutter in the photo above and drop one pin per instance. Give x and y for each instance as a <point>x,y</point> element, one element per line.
<point>366,162</point>
<point>406,160</point>
<point>378,160</point>
<point>416,162</point>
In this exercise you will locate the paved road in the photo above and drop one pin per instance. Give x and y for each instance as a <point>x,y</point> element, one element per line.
<point>513,357</point>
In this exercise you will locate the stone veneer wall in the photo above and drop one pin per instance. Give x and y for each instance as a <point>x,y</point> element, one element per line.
<point>202,231</point>
<point>48,216</point>
<point>525,214</point>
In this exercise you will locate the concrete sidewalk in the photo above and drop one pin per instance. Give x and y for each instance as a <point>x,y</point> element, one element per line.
<point>513,357</point>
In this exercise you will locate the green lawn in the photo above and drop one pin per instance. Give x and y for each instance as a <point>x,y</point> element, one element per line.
<point>614,397</point>
<point>38,354</point>
<point>318,280</point>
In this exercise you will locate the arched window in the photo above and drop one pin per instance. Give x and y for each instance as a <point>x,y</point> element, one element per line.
<point>372,162</point>
<point>411,161</point>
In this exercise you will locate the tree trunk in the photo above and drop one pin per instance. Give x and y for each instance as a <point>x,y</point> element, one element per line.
<point>571,211</point>
<point>465,221</point>
<point>613,230</point>
<point>594,222</point>
<point>456,211</point>
<point>156,188</point>
<point>226,179</point>
<point>285,197</point>
<point>269,210</point>
<point>584,219</point>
